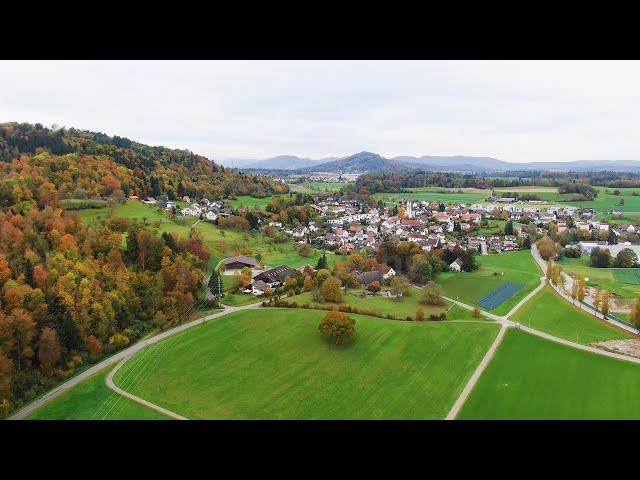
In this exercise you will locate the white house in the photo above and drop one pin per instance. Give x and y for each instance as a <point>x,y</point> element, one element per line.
<point>456,265</point>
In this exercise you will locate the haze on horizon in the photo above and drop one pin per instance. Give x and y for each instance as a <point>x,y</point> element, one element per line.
<point>515,111</point>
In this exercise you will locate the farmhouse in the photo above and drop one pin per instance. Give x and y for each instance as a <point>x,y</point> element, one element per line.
<point>368,277</point>
<point>456,265</point>
<point>276,276</point>
<point>258,288</point>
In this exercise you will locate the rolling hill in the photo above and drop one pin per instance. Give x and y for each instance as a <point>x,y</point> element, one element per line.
<point>371,162</point>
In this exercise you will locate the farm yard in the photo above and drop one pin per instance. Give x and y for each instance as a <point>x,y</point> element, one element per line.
<point>534,378</point>
<point>495,271</point>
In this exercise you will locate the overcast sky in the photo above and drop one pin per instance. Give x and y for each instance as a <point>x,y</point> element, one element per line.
<point>514,111</point>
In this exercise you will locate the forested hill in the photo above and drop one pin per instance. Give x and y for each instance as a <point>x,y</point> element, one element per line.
<point>147,170</point>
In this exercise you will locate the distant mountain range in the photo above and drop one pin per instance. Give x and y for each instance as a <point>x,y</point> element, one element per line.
<point>281,162</point>
<point>372,162</point>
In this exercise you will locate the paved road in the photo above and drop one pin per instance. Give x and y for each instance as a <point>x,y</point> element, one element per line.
<point>506,323</point>
<point>564,294</point>
<point>122,355</point>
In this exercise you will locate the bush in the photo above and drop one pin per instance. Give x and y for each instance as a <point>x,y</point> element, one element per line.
<point>420,315</point>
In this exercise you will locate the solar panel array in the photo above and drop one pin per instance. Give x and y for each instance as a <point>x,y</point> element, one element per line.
<point>501,294</point>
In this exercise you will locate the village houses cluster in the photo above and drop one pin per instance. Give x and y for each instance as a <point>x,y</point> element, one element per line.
<point>346,226</point>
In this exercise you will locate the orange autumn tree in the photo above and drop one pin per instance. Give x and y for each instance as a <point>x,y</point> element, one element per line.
<point>337,327</point>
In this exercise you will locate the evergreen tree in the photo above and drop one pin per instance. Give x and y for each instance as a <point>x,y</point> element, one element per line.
<point>508,228</point>
<point>322,262</point>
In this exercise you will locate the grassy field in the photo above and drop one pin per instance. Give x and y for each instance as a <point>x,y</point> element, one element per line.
<point>533,378</point>
<point>233,241</point>
<point>550,313</point>
<point>248,202</point>
<point>93,400</point>
<point>273,364</point>
<point>405,306</point>
<point>606,201</point>
<point>528,189</point>
<point>495,227</point>
<point>309,187</point>
<point>518,267</point>
<point>600,277</point>
<point>239,299</point>
<point>434,194</point>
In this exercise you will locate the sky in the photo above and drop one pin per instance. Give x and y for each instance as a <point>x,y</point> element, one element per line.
<point>515,111</point>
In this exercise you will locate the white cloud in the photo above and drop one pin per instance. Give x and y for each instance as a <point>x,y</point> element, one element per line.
<point>515,111</point>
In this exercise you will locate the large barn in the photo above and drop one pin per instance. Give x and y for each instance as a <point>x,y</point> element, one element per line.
<point>239,262</point>
<point>276,276</point>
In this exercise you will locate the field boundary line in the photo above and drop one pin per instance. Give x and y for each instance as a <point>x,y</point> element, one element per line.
<point>468,388</point>
<point>109,382</point>
<point>527,298</point>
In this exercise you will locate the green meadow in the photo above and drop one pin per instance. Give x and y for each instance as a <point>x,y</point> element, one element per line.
<point>533,378</point>
<point>600,277</point>
<point>273,364</point>
<point>93,400</point>
<point>550,313</point>
<point>495,269</point>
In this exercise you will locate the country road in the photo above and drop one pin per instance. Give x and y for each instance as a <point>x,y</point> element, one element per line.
<point>120,356</point>
<point>506,322</point>
<point>564,294</point>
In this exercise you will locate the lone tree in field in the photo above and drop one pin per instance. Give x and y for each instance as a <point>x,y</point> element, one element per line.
<point>432,294</point>
<point>331,290</point>
<point>337,327</point>
<point>475,313</point>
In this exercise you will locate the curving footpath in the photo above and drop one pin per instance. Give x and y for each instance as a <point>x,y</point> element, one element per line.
<point>122,356</point>
<point>504,321</point>
<point>130,396</point>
